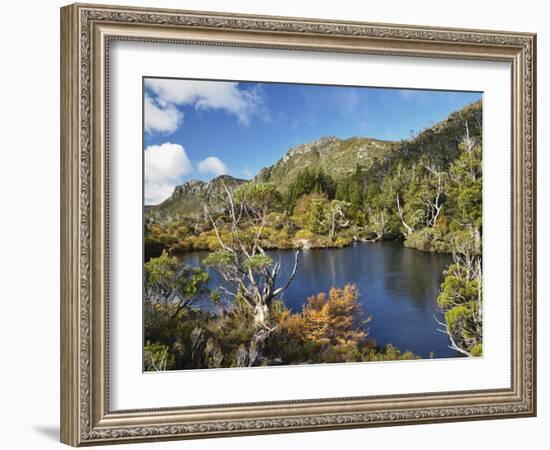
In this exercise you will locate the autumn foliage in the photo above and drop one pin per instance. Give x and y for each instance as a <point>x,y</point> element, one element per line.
<point>328,322</point>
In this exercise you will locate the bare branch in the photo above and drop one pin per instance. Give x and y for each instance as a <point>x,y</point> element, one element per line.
<point>290,278</point>
<point>400,214</point>
<point>453,343</point>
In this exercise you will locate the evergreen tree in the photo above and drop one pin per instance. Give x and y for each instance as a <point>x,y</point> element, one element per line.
<point>317,220</point>
<point>308,182</point>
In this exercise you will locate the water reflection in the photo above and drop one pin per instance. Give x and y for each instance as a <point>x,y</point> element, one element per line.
<point>398,287</point>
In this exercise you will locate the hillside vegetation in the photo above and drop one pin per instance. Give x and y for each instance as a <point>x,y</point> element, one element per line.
<point>335,157</point>
<point>425,191</point>
<point>335,192</point>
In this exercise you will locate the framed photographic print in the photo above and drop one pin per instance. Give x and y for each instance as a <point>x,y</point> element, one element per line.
<point>277,224</point>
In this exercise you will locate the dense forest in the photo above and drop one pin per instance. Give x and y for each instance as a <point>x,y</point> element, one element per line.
<point>425,191</point>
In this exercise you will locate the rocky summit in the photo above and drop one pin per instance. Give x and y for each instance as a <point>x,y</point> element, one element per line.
<point>336,157</point>
<point>189,197</point>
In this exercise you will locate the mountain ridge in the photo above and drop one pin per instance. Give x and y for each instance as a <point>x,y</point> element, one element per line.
<point>189,197</point>
<point>336,157</point>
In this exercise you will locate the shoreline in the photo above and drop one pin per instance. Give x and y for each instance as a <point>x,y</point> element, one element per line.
<point>151,253</point>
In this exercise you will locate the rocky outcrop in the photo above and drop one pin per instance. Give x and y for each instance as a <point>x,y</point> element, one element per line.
<point>189,198</point>
<point>336,157</point>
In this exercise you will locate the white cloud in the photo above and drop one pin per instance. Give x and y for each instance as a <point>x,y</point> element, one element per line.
<point>212,164</point>
<point>247,172</point>
<point>165,164</point>
<point>156,193</point>
<point>161,119</point>
<point>208,95</point>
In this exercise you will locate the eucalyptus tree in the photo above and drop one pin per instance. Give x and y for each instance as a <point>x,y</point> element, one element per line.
<point>437,180</point>
<point>464,187</point>
<point>251,275</point>
<point>461,294</point>
<point>172,285</point>
<point>337,216</point>
<point>170,289</point>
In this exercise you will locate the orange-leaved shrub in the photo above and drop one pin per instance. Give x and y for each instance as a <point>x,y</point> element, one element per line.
<point>328,326</point>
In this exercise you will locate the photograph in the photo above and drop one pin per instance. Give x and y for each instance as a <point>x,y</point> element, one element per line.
<point>288,224</point>
<point>287,221</point>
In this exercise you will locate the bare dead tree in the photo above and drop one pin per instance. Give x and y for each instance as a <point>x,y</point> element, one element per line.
<point>467,140</point>
<point>337,217</point>
<point>434,204</point>
<point>380,220</point>
<point>468,145</point>
<point>408,229</point>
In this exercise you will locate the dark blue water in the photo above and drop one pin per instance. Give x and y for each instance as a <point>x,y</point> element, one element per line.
<point>398,288</point>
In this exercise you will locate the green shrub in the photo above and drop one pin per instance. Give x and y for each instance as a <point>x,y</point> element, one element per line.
<point>157,357</point>
<point>427,240</point>
<point>342,241</point>
<point>304,234</point>
<point>477,350</point>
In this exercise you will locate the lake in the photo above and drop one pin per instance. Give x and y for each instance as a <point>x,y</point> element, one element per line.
<point>398,287</point>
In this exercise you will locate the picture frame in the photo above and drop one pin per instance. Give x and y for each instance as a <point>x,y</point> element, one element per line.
<point>87,32</point>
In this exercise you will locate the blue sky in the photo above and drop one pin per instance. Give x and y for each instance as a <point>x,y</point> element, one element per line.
<point>200,129</point>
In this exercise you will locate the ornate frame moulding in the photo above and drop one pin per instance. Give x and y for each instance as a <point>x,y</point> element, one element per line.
<point>86,33</point>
